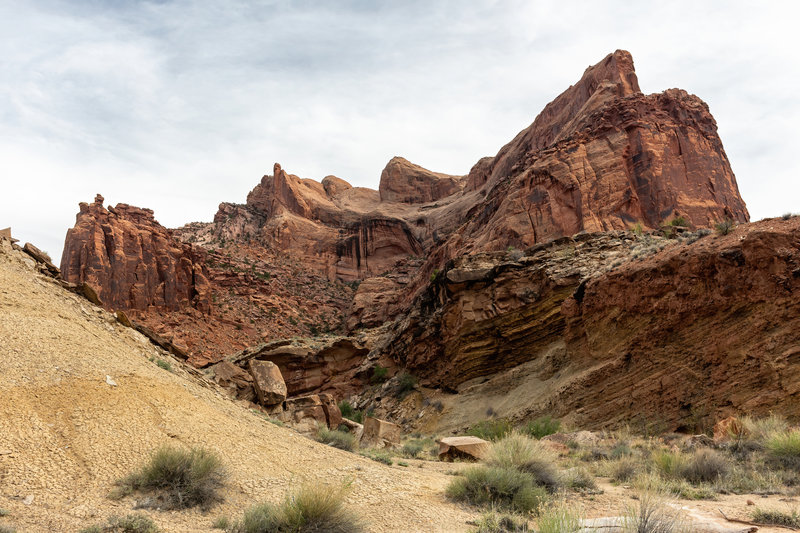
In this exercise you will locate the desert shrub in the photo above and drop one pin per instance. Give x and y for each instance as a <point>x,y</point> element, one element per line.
<point>338,439</point>
<point>381,456</point>
<point>492,429</point>
<point>178,478</point>
<point>519,452</point>
<point>221,522</point>
<point>163,363</point>
<point>638,229</point>
<point>723,227</point>
<point>668,464</point>
<point>379,374</point>
<point>777,518</point>
<point>705,466</point>
<point>132,523</point>
<point>542,427</point>
<point>558,518</point>
<point>4,512</point>
<point>579,479</point>
<point>350,413</point>
<point>405,383</point>
<point>505,488</point>
<point>624,470</point>
<point>313,508</point>
<point>650,514</point>
<point>9,529</point>
<point>412,449</point>
<point>494,522</point>
<point>679,221</point>
<point>783,448</point>
<point>786,216</point>
<point>620,450</point>
<point>759,429</point>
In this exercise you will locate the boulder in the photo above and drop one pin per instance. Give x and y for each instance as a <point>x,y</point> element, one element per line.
<point>333,415</point>
<point>41,257</point>
<point>234,379</point>
<point>305,413</point>
<point>380,433</point>
<point>268,382</point>
<point>462,447</point>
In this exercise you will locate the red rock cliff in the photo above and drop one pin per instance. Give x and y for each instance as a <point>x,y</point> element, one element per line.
<point>132,261</point>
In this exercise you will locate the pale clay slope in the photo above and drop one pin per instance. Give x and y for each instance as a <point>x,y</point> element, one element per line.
<point>66,435</point>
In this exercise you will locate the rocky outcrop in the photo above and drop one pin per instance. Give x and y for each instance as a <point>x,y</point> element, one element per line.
<point>611,328</point>
<point>405,182</point>
<point>327,364</point>
<point>132,261</point>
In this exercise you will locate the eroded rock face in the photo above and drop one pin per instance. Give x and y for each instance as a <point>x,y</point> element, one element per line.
<point>132,261</point>
<point>611,328</point>
<point>329,365</point>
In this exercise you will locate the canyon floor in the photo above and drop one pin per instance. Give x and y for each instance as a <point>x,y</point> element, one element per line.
<point>83,402</point>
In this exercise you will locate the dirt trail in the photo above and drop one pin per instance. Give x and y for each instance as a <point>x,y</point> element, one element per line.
<point>66,435</point>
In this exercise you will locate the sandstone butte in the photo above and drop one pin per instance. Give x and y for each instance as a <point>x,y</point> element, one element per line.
<point>303,258</point>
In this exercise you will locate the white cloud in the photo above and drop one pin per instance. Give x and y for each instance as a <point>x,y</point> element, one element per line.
<point>178,106</point>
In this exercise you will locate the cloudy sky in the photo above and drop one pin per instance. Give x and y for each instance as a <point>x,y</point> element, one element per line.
<point>179,105</point>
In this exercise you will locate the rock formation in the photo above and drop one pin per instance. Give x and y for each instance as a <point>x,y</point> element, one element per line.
<point>132,261</point>
<point>527,262</point>
<point>614,328</point>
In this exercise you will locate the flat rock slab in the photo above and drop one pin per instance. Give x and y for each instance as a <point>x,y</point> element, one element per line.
<point>463,447</point>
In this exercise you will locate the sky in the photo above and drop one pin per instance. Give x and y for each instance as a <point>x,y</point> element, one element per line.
<point>180,105</point>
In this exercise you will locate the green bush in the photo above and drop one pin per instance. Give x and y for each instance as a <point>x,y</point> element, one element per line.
<point>413,449</point>
<point>313,508</point>
<point>337,439</point>
<point>350,413</point>
<point>163,363</point>
<point>492,429</point>
<point>542,427</point>
<point>783,448</point>
<point>526,455</point>
<point>668,464</point>
<point>379,374</point>
<point>724,227</point>
<point>679,221</point>
<point>504,488</point>
<point>132,523</point>
<point>178,478</point>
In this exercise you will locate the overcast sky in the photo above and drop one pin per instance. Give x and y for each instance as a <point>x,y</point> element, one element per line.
<point>178,106</point>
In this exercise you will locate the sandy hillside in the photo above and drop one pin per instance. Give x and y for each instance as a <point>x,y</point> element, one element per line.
<point>66,435</point>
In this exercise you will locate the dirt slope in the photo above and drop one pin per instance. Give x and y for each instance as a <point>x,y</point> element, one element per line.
<point>66,435</point>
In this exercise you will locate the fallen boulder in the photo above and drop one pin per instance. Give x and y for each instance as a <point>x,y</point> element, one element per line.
<point>462,448</point>
<point>268,382</point>
<point>380,433</point>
